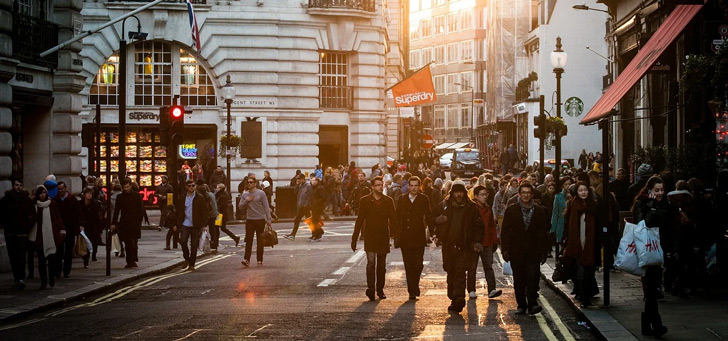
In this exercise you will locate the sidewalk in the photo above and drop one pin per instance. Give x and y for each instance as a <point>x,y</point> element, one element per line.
<point>694,318</point>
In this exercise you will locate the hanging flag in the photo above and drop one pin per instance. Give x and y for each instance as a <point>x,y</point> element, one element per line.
<point>193,25</point>
<point>415,90</point>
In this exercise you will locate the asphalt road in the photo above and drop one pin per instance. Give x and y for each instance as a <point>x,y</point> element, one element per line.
<point>303,291</point>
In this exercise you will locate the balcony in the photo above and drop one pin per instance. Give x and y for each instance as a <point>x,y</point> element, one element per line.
<point>31,36</point>
<point>336,97</point>
<point>352,8</point>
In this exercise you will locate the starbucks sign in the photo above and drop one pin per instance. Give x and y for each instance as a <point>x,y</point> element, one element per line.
<point>574,106</point>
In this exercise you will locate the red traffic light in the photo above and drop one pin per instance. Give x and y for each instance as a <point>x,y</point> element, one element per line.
<point>177,111</point>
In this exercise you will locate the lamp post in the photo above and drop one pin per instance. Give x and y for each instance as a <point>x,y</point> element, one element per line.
<point>228,92</point>
<point>558,61</point>
<point>138,35</point>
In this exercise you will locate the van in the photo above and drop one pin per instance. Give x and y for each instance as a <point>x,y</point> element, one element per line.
<point>467,163</point>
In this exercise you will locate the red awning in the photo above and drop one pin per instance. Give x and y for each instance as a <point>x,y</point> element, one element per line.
<point>661,39</point>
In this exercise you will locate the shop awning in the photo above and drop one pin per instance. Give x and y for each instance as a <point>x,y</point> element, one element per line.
<point>458,145</point>
<point>445,145</point>
<point>661,39</point>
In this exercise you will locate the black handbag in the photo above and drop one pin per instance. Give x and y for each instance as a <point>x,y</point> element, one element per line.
<point>269,237</point>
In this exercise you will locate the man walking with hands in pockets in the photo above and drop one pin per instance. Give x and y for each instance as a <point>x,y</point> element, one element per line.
<point>192,215</point>
<point>376,211</point>
<point>258,217</point>
<point>415,218</point>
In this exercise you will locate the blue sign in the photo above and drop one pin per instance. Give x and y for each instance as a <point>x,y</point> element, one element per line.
<point>188,151</point>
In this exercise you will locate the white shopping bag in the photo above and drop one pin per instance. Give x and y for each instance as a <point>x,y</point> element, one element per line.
<point>204,242</point>
<point>88,242</point>
<point>115,243</point>
<point>507,270</point>
<point>627,258</point>
<point>649,250</point>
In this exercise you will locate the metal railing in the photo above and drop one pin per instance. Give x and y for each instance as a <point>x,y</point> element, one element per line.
<point>336,96</point>
<point>31,36</point>
<point>362,5</point>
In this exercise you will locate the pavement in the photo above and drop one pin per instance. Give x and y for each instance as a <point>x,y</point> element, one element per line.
<point>687,318</point>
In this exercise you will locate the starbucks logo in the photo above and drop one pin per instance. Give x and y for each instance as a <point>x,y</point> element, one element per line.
<point>574,106</point>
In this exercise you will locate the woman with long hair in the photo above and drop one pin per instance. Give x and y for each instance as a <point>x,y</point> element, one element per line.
<point>651,206</point>
<point>558,210</point>
<point>91,211</point>
<point>583,218</point>
<point>47,233</point>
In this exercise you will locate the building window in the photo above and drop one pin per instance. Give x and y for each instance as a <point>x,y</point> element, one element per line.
<point>196,87</point>
<point>414,31</point>
<point>415,59</point>
<point>334,89</point>
<point>452,116</point>
<point>452,22</point>
<point>440,54</point>
<point>452,53</point>
<point>104,90</point>
<point>439,25</point>
<point>466,50</point>
<point>466,79</point>
<point>466,19</point>
<point>465,115</point>
<point>453,83</point>
<point>426,27</point>
<point>439,116</point>
<point>25,7</point>
<point>426,56</point>
<point>153,73</point>
<point>439,2</point>
<point>440,84</point>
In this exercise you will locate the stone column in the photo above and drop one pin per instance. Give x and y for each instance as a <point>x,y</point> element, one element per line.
<point>67,83</point>
<point>7,72</point>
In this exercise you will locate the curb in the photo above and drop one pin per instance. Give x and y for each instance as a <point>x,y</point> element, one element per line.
<point>99,287</point>
<point>601,323</point>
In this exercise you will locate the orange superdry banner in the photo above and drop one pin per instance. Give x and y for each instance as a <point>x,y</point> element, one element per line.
<point>416,90</point>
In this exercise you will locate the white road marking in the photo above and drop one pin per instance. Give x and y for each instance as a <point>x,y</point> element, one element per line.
<point>555,317</point>
<point>326,282</point>
<point>132,333</point>
<point>23,323</point>
<point>356,257</point>
<point>195,331</point>
<point>424,262</point>
<point>342,270</point>
<point>259,329</point>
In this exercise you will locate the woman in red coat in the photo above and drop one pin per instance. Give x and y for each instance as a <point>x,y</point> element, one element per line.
<point>47,234</point>
<point>581,240</point>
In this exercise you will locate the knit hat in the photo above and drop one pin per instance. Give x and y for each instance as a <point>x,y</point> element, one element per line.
<point>438,183</point>
<point>52,188</point>
<point>458,185</point>
<point>644,170</point>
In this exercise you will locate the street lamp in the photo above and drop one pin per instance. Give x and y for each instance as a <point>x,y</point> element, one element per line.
<point>584,7</point>
<point>558,61</point>
<point>228,92</point>
<point>138,35</point>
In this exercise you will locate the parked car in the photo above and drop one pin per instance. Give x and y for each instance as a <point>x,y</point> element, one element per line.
<point>446,161</point>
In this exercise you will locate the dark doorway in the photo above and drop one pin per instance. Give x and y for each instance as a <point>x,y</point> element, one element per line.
<point>333,146</point>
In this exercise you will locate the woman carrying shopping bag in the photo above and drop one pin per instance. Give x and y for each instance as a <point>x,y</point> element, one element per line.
<point>652,206</point>
<point>47,234</point>
<point>582,219</point>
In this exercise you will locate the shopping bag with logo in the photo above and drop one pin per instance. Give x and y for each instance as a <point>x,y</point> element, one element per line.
<point>115,243</point>
<point>218,221</point>
<point>507,270</point>
<point>269,237</point>
<point>204,242</point>
<point>627,259</point>
<point>649,250</point>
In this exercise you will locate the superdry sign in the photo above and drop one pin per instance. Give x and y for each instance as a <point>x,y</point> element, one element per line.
<point>415,90</point>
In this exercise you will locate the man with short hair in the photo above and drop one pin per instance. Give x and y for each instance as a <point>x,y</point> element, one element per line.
<point>70,210</point>
<point>363,188</point>
<point>415,219</point>
<point>17,216</point>
<point>318,203</point>
<point>489,243</point>
<point>129,206</point>
<point>303,204</point>
<point>163,189</point>
<point>525,243</point>
<point>258,217</point>
<point>458,228</point>
<point>218,177</point>
<point>192,217</point>
<point>620,188</point>
<point>378,214</point>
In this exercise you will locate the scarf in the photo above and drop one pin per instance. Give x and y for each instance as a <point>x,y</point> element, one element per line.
<point>527,213</point>
<point>581,245</point>
<point>46,228</point>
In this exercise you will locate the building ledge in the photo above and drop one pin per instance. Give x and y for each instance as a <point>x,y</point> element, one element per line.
<point>341,12</point>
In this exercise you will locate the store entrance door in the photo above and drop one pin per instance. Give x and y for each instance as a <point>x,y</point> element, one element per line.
<point>333,146</point>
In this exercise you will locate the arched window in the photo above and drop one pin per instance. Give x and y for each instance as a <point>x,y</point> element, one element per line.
<point>158,70</point>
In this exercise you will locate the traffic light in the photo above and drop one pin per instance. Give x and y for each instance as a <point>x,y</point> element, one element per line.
<point>164,125</point>
<point>176,118</point>
<point>539,124</point>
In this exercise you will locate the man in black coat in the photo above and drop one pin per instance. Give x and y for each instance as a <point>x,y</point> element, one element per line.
<point>376,211</point>
<point>70,210</point>
<point>525,243</point>
<point>415,218</point>
<point>129,226</point>
<point>161,192</point>
<point>620,188</point>
<point>459,229</point>
<point>17,216</point>
<point>192,218</point>
<point>318,204</point>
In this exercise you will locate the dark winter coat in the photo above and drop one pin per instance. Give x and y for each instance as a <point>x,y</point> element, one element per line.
<point>381,223</point>
<point>92,220</point>
<point>318,200</point>
<point>217,178</point>
<point>129,226</point>
<point>223,199</point>
<point>657,214</point>
<point>70,209</point>
<point>473,224</point>
<point>414,219</point>
<point>525,245</point>
<point>17,213</point>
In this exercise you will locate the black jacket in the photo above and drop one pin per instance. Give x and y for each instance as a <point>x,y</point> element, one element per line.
<point>200,215</point>
<point>318,200</point>
<point>658,214</point>
<point>70,210</point>
<point>17,213</point>
<point>222,198</point>
<point>473,229</point>
<point>129,226</point>
<point>525,245</point>
<point>414,219</point>
<point>381,223</point>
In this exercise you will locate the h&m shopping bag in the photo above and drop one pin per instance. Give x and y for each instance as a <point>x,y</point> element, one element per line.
<point>649,250</point>
<point>627,259</point>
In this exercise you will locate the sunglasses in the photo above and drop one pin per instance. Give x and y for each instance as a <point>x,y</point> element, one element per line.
<point>251,182</point>
<point>191,185</point>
